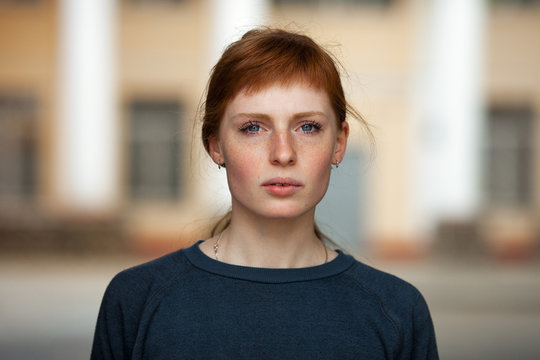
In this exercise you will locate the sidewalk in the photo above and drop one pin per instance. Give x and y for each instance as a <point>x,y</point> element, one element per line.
<point>48,306</point>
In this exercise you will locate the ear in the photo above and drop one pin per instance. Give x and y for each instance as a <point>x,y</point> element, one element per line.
<point>341,142</point>
<point>214,149</point>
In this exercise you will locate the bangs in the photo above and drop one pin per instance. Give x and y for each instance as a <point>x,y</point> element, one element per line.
<point>284,69</point>
<point>282,60</point>
<point>282,79</point>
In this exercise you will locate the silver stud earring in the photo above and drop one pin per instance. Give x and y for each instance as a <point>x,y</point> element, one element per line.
<point>220,163</point>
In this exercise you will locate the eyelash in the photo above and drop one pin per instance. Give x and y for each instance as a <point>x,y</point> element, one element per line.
<point>245,128</point>
<point>316,127</point>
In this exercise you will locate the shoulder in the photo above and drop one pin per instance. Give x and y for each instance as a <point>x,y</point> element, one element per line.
<point>128,297</point>
<point>380,283</point>
<point>141,282</point>
<point>403,305</point>
<point>399,300</point>
<point>400,303</point>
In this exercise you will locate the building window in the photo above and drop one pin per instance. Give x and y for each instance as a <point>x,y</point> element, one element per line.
<point>514,2</point>
<point>509,156</point>
<point>154,2</point>
<point>18,148</point>
<point>19,2</point>
<point>333,2</point>
<point>154,148</point>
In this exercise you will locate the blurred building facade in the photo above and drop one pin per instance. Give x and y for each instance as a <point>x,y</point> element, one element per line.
<point>98,121</point>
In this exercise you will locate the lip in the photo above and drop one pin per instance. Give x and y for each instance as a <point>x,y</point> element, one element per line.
<point>281,186</point>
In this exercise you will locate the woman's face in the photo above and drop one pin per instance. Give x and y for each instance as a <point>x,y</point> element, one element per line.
<point>278,145</point>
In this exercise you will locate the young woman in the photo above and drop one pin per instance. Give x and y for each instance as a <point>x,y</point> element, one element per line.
<point>266,286</point>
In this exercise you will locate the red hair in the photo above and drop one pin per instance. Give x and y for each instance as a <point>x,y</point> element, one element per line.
<point>263,57</point>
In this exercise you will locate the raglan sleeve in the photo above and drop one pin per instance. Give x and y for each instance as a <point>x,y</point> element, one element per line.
<point>424,344</point>
<point>118,319</point>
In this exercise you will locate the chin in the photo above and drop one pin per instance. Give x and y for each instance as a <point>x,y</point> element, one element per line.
<point>286,213</point>
<point>276,209</point>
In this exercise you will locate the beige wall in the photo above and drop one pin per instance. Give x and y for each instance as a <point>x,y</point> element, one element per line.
<point>163,54</point>
<point>28,45</point>
<point>513,66</point>
<point>512,79</point>
<point>376,46</point>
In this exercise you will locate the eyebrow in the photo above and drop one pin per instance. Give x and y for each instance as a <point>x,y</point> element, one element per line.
<point>265,116</point>
<point>252,116</point>
<point>309,114</point>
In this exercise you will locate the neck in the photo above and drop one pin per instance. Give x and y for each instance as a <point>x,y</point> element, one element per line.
<point>272,243</point>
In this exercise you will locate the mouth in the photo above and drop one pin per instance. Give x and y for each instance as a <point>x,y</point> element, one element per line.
<point>282,182</point>
<point>282,186</point>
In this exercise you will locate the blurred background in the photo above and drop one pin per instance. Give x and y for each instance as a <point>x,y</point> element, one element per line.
<point>101,165</point>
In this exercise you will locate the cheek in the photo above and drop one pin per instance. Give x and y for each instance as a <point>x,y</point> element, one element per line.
<point>318,159</point>
<point>317,167</point>
<point>322,173</point>
<point>242,165</point>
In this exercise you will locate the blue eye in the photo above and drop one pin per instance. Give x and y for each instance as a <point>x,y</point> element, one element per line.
<point>250,128</point>
<point>310,127</point>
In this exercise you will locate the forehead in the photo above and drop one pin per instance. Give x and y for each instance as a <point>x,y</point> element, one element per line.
<point>279,98</point>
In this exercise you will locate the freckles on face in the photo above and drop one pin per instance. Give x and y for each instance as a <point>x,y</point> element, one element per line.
<point>278,145</point>
<point>242,163</point>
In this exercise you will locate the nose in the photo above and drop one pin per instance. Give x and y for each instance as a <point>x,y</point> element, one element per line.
<point>282,149</point>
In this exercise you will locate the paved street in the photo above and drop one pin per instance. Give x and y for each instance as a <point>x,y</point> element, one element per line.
<point>481,311</point>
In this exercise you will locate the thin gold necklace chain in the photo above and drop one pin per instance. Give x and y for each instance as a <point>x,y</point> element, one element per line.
<point>216,245</point>
<point>216,249</point>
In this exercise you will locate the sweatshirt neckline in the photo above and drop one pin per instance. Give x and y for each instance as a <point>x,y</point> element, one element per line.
<point>267,275</point>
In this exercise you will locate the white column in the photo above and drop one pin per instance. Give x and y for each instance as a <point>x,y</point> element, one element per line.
<point>231,19</point>
<point>87,147</point>
<point>448,112</point>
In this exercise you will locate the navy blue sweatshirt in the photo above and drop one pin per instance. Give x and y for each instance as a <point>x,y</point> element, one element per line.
<point>186,305</point>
